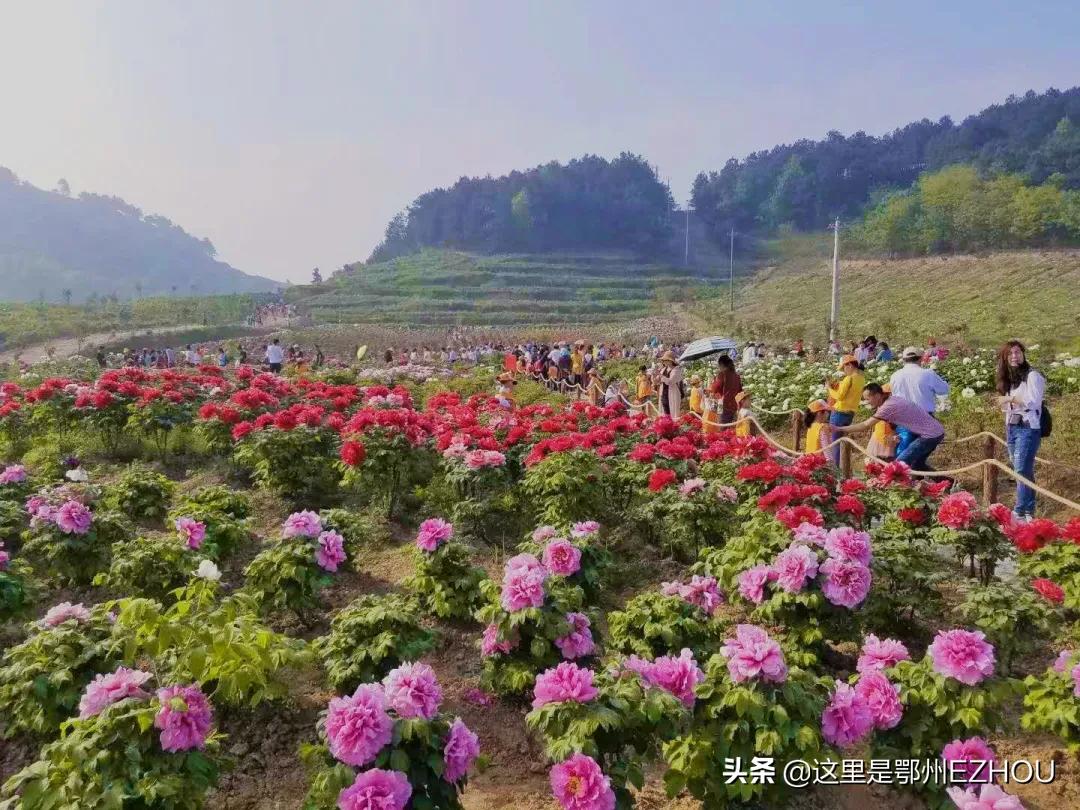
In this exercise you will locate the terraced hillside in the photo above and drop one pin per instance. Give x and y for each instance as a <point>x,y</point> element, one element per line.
<point>439,287</point>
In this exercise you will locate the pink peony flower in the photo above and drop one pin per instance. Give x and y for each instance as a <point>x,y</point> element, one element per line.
<point>461,750</point>
<point>376,789</point>
<point>879,654</point>
<point>579,641</point>
<point>105,690</point>
<point>1062,662</point>
<point>678,675</point>
<point>970,760</point>
<point>752,583</point>
<point>490,644</point>
<point>991,797</point>
<point>584,528</point>
<point>962,654</point>
<point>73,518</point>
<point>809,534</point>
<point>433,533</point>
<point>13,474</point>
<point>847,719</point>
<point>692,485</point>
<point>562,557</point>
<point>882,697</point>
<point>358,727</point>
<point>579,784</point>
<point>564,682</point>
<point>412,691</point>
<point>478,697</point>
<point>184,718</point>
<point>302,524</point>
<point>523,583</point>
<point>844,543</point>
<point>192,532</point>
<point>846,582</point>
<point>58,614</point>
<point>958,510</point>
<point>793,566</point>
<point>5,558</point>
<point>1076,680</point>
<point>752,654</point>
<point>331,551</point>
<point>543,533</point>
<point>702,592</point>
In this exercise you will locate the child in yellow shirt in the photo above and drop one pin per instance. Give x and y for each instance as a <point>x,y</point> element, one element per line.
<point>696,405</point>
<point>816,421</point>
<point>742,399</point>
<point>883,438</point>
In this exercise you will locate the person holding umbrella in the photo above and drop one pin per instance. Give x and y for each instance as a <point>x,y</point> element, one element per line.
<point>726,385</point>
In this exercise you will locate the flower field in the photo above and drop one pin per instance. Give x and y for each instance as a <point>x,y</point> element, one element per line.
<point>328,592</point>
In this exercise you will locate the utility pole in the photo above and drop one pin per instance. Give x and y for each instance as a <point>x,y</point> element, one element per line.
<point>834,313</point>
<point>686,250</point>
<point>731,270</point>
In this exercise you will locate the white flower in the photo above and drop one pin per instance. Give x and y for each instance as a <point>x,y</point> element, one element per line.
<point>968,393</point>
<point>967,361</point>
<point>1033,348</point>
<point>78,475</point>
<point>208,571</point>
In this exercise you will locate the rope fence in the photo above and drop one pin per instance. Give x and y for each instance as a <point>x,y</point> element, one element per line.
<point>989,464</point>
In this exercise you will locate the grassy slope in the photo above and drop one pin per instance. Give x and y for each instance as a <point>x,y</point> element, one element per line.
<point>440,287</point>
<point>960,299</point>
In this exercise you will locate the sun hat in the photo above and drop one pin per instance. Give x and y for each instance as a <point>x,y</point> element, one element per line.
<point>506,377</point>
<point>848,358</point>
<point>739,397</point>
<point>669,357</point>
<point>695,379</point>
<point>913,352</point>
<point>819,405</point>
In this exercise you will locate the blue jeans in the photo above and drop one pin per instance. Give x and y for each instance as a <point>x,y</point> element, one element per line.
<point>841,419</point>
<point>916,453</point>
<point>1023,442</point>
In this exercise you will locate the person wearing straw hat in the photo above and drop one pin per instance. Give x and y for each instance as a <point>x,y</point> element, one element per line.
<point>742,427</point>
<point>671,382</point>
<point>594,387</point>
<point>696,395</point>
<point>845,397</point>
<point>883,438</point>
<point>816,421</point>
<point>506,383</point>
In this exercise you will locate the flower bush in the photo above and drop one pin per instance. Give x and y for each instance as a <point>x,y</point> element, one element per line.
<point>657,623</point>
<point>370,637</point>
<point>148,566</point>
<point>1052,700</point>
<point>141,494</point>
<point>292,461</point>
<point>72,543</point>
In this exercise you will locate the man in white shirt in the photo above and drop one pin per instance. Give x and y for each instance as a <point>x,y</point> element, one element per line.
<point>917,384</point>
<point>749,355</point>
<point>275,356</point>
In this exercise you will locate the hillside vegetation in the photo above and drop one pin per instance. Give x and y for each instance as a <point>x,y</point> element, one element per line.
<point>59,248</point>
<point>439,287</point>
<point>974,299</point>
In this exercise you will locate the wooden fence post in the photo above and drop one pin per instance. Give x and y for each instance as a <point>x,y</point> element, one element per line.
<point>845,460</point>
<point>796,430</point>
<point>990,472</point>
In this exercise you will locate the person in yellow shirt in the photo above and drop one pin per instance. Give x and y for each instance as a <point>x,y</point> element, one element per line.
<point>696,397</point>
<point>644,390</point>
<point>710,416</point>
<point>816,421</point>
<point>743,425</point>
<point>883,438</point>
<point>577,365</point>
<point>845,396</point>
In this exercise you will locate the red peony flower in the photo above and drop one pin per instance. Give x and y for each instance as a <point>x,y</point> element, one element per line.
<point>1051,591</point>
<point>912,515</point>
<point>850,505</point>
<point>660,478</point>
<point>795,516</point>
<point>353,453</point>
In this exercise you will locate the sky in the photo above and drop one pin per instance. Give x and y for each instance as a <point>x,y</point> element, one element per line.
<point>289,133</point>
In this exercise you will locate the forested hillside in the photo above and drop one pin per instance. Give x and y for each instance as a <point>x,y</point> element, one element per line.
<point>589,203</point>
<point>808,183</point>
<point>59,248</point>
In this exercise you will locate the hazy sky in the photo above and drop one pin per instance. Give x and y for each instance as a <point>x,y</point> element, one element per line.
<point>290,132</point>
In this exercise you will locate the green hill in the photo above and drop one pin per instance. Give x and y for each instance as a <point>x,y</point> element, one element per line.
<point>441,287</point>
<point>977,299</point>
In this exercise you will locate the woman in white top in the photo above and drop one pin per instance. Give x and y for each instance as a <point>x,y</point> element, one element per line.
<point>1020,394</point>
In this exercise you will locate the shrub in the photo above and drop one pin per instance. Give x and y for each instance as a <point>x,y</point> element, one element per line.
<point>15,589</point>
<point>1051,703</point>
<point>225,534</point>
<point>221,645</point>
<point>1016,620</point>
<point>652,624</point>
<point>141,494</point>
<point>622,728</point>
<point>684,520</point>
<point>159,419</point>
<point>85,768</point>
<point>148,566</point>
<point>286,576</point>
<point>75,558</point>
<point>906,594</point>
<point>446,583</point>
<point>566,487</point>
<point>296,464</point>
<point>370,637</point>
<point>42,678</point>
<point>217,498</point>
<point>596,559</point>
<point>360,529</point>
